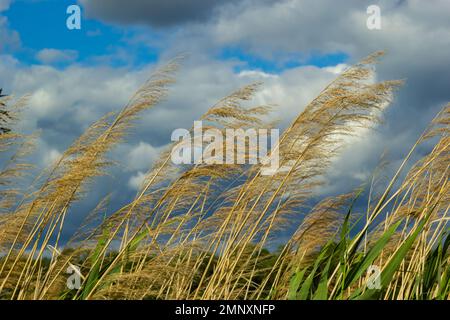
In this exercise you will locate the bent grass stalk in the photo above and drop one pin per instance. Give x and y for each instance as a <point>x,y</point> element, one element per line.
<point>201,232</point>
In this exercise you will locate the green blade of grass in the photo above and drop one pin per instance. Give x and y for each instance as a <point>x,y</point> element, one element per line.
<point>394,263</point>
<point>370,257</point>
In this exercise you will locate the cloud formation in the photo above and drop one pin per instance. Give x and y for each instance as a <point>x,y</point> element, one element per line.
<point>4,5</point>
<point>64,101</point>
<point>49,56</point>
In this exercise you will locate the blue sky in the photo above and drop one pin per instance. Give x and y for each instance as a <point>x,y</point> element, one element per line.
<point>41,24</point>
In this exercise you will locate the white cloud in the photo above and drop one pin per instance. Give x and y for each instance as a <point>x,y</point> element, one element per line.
<point>94,33</point>
<point>64,101</point>
<point>415,33</point>
<point>49,56</point>
<point>256,74</point>
<point>50,157</point>
<point>43,102</point>
<point>337,69</point>
<point>136,181</point>
<point>141,156</point>
<point>9,39</point>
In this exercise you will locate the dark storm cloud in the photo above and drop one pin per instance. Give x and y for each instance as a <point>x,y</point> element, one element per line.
<point>415,34</point>
<point>158,13</point>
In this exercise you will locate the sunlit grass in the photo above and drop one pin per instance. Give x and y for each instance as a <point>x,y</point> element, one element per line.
<point>202,231</point>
